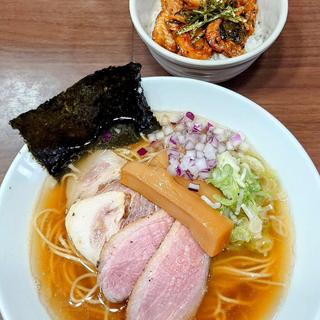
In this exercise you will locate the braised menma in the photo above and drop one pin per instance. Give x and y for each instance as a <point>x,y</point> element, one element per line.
<point>200,28</point>
<point>177,219</point>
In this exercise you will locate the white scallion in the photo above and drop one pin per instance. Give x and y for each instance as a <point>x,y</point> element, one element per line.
<point>213,205</point>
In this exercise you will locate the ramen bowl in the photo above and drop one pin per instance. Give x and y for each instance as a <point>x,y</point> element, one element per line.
<point>297,174</point>
<point>271,19</point>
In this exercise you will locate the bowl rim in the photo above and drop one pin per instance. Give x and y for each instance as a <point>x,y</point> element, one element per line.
<point>209,63</point>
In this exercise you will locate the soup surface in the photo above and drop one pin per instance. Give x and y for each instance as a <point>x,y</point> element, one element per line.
<point>242,284</point>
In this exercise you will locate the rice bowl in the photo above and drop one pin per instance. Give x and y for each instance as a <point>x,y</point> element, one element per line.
<point>271,18</point>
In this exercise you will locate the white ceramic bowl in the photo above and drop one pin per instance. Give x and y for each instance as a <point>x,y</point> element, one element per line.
<point>272,17</point>
<point>22,184</point>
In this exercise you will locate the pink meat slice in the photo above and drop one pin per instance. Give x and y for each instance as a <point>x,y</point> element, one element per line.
<point>173,282</point>
<point>125,255</point>
<point>139,206</point>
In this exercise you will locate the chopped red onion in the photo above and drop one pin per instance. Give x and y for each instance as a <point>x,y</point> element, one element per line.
<point>221,148</point>
<point>189,174</point>
<point>189,145</point>
<point>203,138</point>
<point>192,137</point>
<point>107,136</point>
<point>236,140</point>
<point>185,163</point>
<point>197,127</point>
<point>204,175</point>
<point>214,142</point>
<point>193,170</point>
<point>191,154</point>
<point>189,125</point>
<point>173,140</point>
<point>181,139</point>
<point>173,154</point>
<point>209,127</point>
<point>190,115</point>
<point>201,164</point>
<point>172,169</point>
<point>179,127</point>
<point>193,187</point>
<point>209,151</point>
<point>174,163</point>
<point>199,146</point>
<point>142,151</point>
<point>179,171</point>
<point>200,154</point>
<point>212,163</point>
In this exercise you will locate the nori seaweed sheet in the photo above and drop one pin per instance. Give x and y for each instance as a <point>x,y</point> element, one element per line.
<point>62,128</point>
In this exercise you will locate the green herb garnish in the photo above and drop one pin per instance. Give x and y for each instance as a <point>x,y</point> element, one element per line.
<point>210,10</point>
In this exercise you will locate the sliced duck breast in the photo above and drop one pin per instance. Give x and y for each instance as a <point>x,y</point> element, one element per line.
<point>139,206</point>
<point>174,280</point>
<point>93,173</point>
<point>92,221</point>
<point>125,255</point>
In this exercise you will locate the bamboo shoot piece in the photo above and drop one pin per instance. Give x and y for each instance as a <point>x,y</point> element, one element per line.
<point>209,228</point>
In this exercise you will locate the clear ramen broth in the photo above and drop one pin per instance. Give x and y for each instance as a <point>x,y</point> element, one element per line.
<point>231,293</point>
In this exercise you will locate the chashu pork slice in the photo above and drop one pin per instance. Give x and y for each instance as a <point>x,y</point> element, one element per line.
<point>92,221</point>
<point>93,173</point>
<point>125,255</point>
<point>138,207</point>
<point>173,282</point>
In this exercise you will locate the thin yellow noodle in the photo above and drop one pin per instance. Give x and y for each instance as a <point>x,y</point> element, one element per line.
<point>218,307</point>
<point>144,137</point>
<point>66,274</point>
<point>54,236</point>
<point>69,175</point>
<point>62,252</point>
<point>258,286</point>
<point>48,242</point>
<point>88,297</point>
<point>231,270</point>
<point>269,282</point>
<point>241,258</point>
<point>43,219</point>
<point>232,301</point>
<point>221,315</point>
<point>263,267</point>
<point>63,242</point>
<point>74,168</point>
<point>124,156</point>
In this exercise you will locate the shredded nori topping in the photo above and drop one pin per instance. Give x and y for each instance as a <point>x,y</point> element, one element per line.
<point>64,127</point>
<point>233,31</point>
